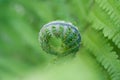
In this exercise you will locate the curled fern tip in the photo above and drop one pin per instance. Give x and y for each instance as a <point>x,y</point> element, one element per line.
<point>59,38</point>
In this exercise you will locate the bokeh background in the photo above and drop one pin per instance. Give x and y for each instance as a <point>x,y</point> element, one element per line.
<point>21,57</point>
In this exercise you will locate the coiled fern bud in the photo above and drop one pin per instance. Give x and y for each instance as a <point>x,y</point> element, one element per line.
<point>59,38</point>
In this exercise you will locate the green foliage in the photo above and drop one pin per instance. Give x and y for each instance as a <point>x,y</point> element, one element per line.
<point>103,53</point>
<point>22,57</point>
<point>106,16</point>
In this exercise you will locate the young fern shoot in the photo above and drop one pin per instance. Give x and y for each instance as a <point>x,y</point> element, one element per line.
<point>59,38</point>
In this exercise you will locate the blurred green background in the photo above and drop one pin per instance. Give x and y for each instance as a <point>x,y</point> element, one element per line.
<point>21,57</point>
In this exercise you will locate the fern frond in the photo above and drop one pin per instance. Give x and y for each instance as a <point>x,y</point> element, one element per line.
<point>106,17</point>
<point>103,52</point>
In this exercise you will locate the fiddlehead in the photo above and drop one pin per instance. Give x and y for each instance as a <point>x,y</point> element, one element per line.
<point>59,38</point>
